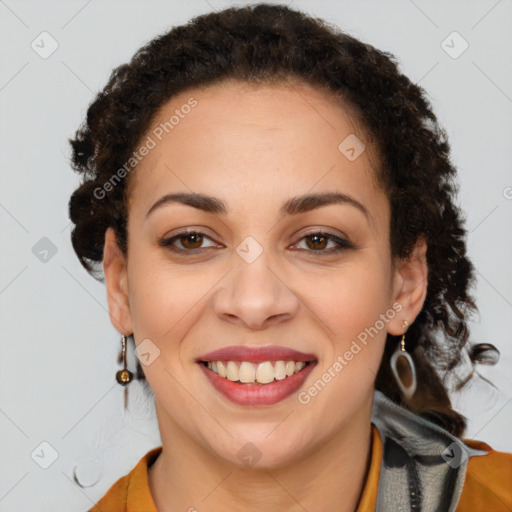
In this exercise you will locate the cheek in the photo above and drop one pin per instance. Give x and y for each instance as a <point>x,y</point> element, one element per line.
<point>161,296</point>
<point>356,311</point>
<point>357,296</point>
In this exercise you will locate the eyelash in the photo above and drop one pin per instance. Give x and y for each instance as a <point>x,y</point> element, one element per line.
<point>342,244</point>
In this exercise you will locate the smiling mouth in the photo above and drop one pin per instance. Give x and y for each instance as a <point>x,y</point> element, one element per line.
<point>263,373</point>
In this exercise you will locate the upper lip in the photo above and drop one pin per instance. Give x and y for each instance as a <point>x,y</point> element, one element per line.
<point>256,355</point>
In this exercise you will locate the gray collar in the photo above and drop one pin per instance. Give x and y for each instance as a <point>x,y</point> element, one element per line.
<point>423,466</point>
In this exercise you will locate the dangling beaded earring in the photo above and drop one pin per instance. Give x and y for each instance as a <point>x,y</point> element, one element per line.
<point>124,376</point>
<point>399,357</point>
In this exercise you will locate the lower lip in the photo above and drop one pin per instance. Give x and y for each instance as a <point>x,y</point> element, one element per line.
<point>258,394</point>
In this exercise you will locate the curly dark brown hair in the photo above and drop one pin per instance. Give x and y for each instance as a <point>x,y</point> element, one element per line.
<point>268,44</point>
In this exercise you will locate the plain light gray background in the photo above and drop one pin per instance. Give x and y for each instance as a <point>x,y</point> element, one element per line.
<point>58,348</point>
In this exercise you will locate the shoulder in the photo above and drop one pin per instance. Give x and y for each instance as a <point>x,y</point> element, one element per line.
<point>488,482</point>
<point>131,492</point>
<point>115,498</point>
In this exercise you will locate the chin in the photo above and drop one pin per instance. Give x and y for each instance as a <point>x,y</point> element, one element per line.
<point>259,450</point>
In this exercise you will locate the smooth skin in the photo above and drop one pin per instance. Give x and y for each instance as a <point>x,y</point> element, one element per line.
<point>255,147</point>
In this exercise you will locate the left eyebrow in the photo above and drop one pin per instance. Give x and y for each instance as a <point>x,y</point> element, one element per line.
<point>308,202</point>
<point>292,206</point>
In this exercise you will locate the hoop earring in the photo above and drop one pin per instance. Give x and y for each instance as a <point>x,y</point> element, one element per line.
<point>400,352</point>
<point>124,376</point>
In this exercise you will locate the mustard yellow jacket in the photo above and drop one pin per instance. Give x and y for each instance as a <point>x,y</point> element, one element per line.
<point>415,465</point>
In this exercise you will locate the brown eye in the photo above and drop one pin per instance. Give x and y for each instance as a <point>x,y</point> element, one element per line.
<point>191,240</point>
<point>188,241</point>
<point>316,241</point>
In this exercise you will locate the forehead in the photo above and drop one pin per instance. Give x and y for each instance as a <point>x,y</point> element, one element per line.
<point>261,136</point>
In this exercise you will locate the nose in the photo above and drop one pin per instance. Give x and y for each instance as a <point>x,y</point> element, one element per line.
<point>255,296</point>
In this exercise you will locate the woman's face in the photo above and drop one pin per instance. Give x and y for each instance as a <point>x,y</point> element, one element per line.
<point>256,275</point>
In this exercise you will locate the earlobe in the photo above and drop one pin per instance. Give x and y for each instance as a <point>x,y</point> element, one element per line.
<point>115,271</point>
<point>412,278</point>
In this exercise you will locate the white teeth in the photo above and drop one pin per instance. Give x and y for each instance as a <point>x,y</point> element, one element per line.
<point>232,372</point>
<point>221,369</point>
<point>265,372</point>
<point>279,370</point>
<point>248,372</point>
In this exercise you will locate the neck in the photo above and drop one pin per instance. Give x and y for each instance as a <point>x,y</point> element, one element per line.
<point>328,479</point>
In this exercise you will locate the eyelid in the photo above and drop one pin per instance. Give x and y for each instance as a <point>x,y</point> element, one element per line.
<point>324,231</point>
<point>342,242</point>
<point>167,241</point>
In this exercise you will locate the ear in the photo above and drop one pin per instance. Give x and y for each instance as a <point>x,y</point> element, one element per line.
<point>116,280</point>
<point>410,282</point>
